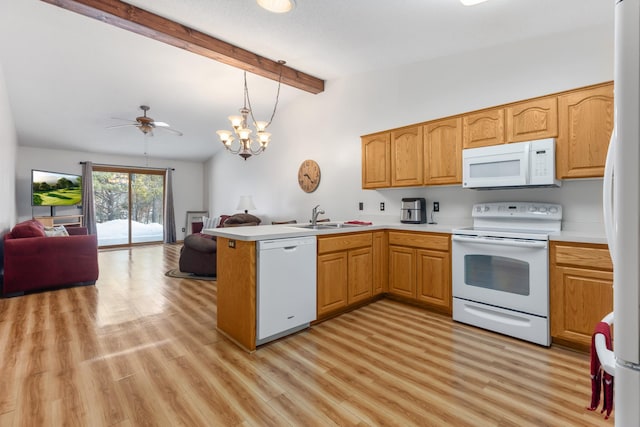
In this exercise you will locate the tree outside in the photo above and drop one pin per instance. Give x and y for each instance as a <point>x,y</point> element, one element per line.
<point>114,207</point>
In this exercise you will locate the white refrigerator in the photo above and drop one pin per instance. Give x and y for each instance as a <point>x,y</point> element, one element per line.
<point>621,202</point>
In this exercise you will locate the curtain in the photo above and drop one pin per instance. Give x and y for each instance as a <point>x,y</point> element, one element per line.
<point>169,214</point>
<point>88,205</point>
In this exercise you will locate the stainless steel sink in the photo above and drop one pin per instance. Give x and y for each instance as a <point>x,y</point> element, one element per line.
<point>326,226</point>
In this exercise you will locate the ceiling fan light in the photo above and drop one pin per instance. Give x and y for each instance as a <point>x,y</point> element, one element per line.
<point>471,2</point>
<point>277,6</point>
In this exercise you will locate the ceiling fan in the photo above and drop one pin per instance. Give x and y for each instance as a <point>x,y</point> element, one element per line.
<point>147,124</point>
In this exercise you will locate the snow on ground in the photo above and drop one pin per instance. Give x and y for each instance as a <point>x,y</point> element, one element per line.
<point>116,232</point>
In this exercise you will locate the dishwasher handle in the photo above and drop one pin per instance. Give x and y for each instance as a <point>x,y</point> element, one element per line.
<point>288,244</point>
<point>502,242</point>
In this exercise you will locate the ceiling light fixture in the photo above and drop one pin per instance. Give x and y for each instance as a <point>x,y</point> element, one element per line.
<point>277,6</point>
<point>241,129</point>
<point>471,2</point>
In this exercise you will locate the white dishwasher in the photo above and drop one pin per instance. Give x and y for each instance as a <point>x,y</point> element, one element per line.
<point>286,287</point>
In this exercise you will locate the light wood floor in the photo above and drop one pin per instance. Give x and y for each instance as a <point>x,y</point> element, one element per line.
<point>140,348</point>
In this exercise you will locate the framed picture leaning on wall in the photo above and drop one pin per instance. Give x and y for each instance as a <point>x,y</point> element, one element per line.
<point>194,216</point>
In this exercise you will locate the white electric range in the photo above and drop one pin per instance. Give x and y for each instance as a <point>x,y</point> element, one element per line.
<point>500,268</point>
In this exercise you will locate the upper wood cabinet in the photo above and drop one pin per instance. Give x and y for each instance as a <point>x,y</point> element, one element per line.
<point>443,152</point>
<point>430,153</point>
<point>586,123</point>
<point>483,128</point>
<point>535,119</point>
<point>406,157</point>
<point>376,160</point>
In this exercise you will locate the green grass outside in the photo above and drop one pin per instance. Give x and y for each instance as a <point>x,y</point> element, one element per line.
<point>71,196</point>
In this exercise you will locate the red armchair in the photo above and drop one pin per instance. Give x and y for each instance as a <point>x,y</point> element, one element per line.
<point>34,262</point>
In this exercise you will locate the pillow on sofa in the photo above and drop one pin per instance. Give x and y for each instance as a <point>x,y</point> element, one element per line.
<point>30,228</point>
<point>209,222</point>
<point>241,219</point>
<point>56,231</point>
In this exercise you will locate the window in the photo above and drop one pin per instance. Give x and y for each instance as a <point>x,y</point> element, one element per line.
<point>129,205</point>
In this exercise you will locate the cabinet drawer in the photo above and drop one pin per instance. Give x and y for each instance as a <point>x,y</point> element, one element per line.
<point>439,242</point>
<point>344,241</point>
<point>592,257</point>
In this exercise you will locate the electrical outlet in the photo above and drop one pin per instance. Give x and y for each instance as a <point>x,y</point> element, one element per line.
<point>381,206</point>
<point>360,206</point>
<point>436,206</point>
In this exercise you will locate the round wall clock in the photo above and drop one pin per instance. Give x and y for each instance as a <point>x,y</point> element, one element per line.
<point>309,176</point>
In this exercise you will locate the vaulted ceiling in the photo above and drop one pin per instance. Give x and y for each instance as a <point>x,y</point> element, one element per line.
<point>69,76</point>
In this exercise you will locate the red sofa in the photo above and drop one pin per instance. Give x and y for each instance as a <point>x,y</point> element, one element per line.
<point>33,261</point>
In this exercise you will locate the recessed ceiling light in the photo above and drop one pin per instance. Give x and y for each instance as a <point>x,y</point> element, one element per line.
<point>277,6</point>
<point>467,2</point>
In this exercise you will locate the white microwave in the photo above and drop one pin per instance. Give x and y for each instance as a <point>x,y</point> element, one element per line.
<point>517,165</point>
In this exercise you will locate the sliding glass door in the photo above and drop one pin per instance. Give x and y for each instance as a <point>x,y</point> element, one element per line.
<point>129,205</point>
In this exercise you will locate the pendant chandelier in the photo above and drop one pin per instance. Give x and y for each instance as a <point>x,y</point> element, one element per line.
<point>247,144</point>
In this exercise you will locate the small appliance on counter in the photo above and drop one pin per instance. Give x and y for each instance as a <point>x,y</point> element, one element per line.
<point>413,210</point>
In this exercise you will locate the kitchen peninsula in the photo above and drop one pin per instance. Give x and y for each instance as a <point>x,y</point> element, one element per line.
<point>355,265</point>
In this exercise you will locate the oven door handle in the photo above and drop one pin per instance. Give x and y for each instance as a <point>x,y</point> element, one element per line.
<point>501,242</point>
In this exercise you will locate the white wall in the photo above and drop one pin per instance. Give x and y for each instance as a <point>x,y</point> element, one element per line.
<point>8,147</point>
<point>327,128</point>
<point>187,179</point>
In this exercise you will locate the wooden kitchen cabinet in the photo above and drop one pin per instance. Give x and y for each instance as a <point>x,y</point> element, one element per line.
<point>345,271</point>
<point>483,128</point>
<point>433,278</point>
<point>402,271</point>
<point>380,262</point>
<point>580,293</point>
<point>332,282</point>
<point>360,272</point>
<point>407,157</point>
<point>236,307</point>
<point>443,152</point>
<point>585,126</point>
<point>420,268</point>
<point>533,119</point>
<point>376,160</point>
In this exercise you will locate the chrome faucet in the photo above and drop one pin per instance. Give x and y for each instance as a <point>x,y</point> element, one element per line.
<point>314,215</point>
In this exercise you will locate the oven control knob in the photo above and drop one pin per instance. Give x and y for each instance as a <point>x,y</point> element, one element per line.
<point>486,208</point>
<point>532,209</point>
<point>543,209</point>
<point>553,210</point>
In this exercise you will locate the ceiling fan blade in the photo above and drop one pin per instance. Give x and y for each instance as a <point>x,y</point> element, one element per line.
<point>176,132</point>
<point>120,126</point>
<point>161,124</point>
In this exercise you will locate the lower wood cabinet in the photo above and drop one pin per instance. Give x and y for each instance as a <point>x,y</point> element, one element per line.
<point>345,271</point>
<point>380,262</point>
<point>581,291</point>
<point>420,268</point>
<point>332,282</point>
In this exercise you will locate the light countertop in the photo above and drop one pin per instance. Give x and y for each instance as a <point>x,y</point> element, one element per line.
<point>269,232</point>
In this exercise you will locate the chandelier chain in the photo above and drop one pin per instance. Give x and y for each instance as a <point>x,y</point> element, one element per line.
<point>275,105</point>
